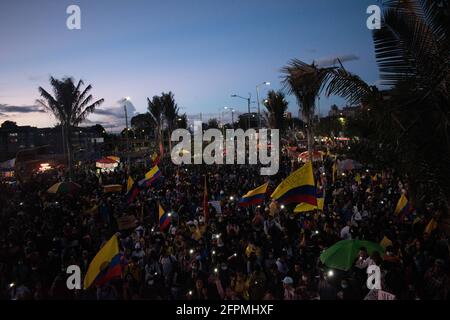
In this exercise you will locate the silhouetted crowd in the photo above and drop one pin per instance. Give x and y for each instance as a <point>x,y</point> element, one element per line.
<point>261,252</point>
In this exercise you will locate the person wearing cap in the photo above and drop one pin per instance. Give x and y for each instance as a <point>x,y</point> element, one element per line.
<point>289,292</point>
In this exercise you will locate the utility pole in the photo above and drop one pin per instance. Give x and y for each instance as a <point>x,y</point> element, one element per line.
<point>127,136</point>
<point>248,106</point>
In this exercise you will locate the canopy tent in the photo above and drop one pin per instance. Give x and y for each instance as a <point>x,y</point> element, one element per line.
<point>116,159</point>
<point>317,156</point>
<point>106,164</point>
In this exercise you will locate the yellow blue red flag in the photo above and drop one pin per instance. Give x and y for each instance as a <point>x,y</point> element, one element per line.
<point>150,177</point>
<point>298,187</point>
<point>164,219</point>
<point>306,207</point>
<point>403,207</point>
<point>254,196</point>
<point>106,264</point>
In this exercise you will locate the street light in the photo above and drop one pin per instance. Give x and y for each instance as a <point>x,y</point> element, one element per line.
<point>232,114</point>
<point>241,97</point>
<point>257,99</point>
<point>248,104</point>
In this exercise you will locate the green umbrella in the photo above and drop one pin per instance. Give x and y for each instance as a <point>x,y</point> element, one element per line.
<point>342,254</point>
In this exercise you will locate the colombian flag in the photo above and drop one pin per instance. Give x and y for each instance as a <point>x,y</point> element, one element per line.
<point>150,177</point>
<point>106,264</point>
<point>132,190</point>
<point>164,219</point>
<point>298,187</point>
<point>254,196</point>
<point>403,206</point>
<point>306,207</point>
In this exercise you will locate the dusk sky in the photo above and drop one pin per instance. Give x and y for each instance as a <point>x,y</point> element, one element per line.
<point>201,50</point>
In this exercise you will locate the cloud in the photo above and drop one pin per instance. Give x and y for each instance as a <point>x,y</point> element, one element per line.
<point>330,61</point>
<point>104,124</point>
<point>118,111</point>
<point>114,117</point>
<point>5,108</point>
<point>105,112</point>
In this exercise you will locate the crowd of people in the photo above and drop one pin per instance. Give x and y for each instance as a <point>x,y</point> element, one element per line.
<point>260,252</point>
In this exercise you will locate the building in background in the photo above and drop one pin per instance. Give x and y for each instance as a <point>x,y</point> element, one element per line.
<point>347,111</point>
<point>87,142</point>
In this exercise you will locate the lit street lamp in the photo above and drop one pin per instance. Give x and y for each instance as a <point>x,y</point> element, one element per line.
<point>248,104</point>
<point>232,114</point>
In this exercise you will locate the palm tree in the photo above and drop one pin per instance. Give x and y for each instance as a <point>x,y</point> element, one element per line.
<point>413,53</point>
<point>305,81</point>
<point>156,110</point>
<point>170,113</point>
<point>412,120</point>
<point>276,106</point>
<point>70,105</point>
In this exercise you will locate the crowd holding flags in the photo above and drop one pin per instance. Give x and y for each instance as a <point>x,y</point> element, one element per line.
<point>254,196</point>
<point>298,187</point>
<point>106,264</point>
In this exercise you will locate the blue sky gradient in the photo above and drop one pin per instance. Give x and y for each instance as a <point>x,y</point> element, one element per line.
<point>202,50</point>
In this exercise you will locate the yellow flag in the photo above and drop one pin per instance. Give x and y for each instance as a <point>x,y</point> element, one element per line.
<point>130,183</point>
<point>386,242</point>
<point>101,260</point>
<point>320,203</point>
<point>432,225</point>
<point>152,172</point>
<point>304,207</point>
<point>401,204</point>
<point>298,187</point>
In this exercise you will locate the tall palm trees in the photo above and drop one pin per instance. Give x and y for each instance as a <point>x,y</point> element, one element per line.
<point>170,113</point>
<point>156,110</point>
<point>276,106</point>
<point>413,53</point>
<point>411,121</point>
<point>164,111</point>
<point>306,81</point>
<point>70,105</point>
